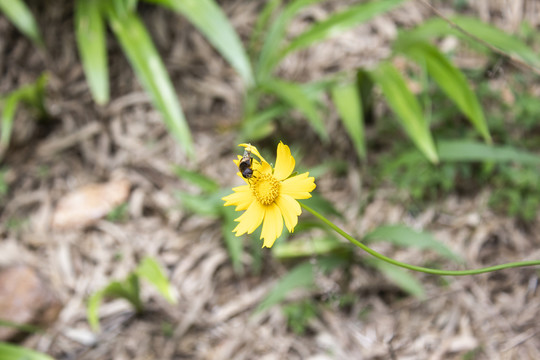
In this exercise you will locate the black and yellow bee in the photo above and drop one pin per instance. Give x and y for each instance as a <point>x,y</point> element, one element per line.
<point>244,166</point>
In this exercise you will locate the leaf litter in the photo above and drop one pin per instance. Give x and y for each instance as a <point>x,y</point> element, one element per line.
<point>492,316</point>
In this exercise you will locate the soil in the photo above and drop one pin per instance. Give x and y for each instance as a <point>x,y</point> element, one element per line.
<point>490,316</point>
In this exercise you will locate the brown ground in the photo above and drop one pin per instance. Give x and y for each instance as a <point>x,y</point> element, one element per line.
<point>491,316</point>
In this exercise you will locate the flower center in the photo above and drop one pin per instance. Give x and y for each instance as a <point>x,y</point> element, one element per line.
<point>265,188</point>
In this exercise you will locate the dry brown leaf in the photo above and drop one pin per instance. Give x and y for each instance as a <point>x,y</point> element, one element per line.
<point>25,299</point>
<point>88,204</point>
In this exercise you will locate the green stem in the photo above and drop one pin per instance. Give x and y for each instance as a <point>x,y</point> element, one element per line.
<point>414,267</point>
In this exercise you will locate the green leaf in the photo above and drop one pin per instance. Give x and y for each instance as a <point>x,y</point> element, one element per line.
<point>205,205</point>
<point>406,106</point>
<point>498,38</point>
<point>308,247</point>
<point>452,81</point>
<point>127,289</point>
<point>294,95</point>
<point>212,22</point>
<point>494,36</point>
<point>92,309</point>
<point>31,94</point>
<point>196,178</point>
<point>9,107</point>
<point>152,271</point>
<point>258,125</point>
<point>19,14</point>
<point>349,106</point>
<point>404,236</point>
<point>269,56</point>
<point>15,352</point>
<point>90,31</point>
<point>398,276</point>
<point>340,22</point>
<point>471,151</point>
<point>234,243</point>
<point>150,71</point>
<point>262,24</point>
<point>299,277</point>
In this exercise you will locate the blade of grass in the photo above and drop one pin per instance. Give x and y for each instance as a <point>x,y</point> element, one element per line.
<point>234,244</point>
<point>150,71</point>
<point>471,151</point>
<point>404,280</point>
<point>9,106</point>
<point>196,178</point>
<point>19,14</point>
<point>90,32</point>
<point>349,106</point>
<point>152,271</point>
<point>269,57</point>
<point>493,36</point>
<point>340,22</point>
<point>406,106</point>
<point>299,277</point>
<point>212,22</point>
<point>262,24</point>
<point>294,95</point>
<point>404,236</point>
<point>15,352</point>
<point>452,82</point>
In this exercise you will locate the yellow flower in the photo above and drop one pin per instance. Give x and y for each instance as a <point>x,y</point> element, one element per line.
<point>270,195</point>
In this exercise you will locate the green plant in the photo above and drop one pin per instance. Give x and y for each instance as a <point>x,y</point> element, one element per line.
<point>15,352</point>
<point>32,95</point>
<point>299,314</point>
<point>91,16</point>
<point>128,289</point>
<point>274,98</point>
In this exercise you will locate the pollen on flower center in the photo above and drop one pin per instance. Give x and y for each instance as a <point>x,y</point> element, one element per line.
<point>265,188</point>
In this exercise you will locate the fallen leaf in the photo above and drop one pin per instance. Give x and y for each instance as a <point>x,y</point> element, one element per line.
<point>88,204</point>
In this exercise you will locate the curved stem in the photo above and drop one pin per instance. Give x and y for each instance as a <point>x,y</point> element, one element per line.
<point>414,267</point>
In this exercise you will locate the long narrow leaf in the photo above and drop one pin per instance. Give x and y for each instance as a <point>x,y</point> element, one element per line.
<point>234,244</point>
<point>349,106</point>
<point>15,352</point>
<point>452,81</point>
<point>340,22</point>
<point>8,106</point>
<point>90,31</point>
<point>152,271</point>
<point>262,24</point>
<point>471,151</point>
<point>212,22</point>
<point>294,95</point>
<point>404,236</point>
<point>300,277</point>
<point>150,71</point>
<point>406,106</point>
<point>269,57</point>
<point>492,35</point>
<point>22,18</point>
<point>398,276</point>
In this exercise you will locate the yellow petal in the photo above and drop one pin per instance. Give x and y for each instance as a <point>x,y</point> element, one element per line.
<point>299,186</point>
<point>250,219</point>
<point>242,197</point>
<point>253,150</point>
<point>284,162</point>
<point>265,168</point>
<point>290,209</point>
<point>272,225</point>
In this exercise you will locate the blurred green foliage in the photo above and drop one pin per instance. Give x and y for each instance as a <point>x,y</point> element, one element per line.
<point>15,352</point>
<point>129,289</point>
<point>31,95</point>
